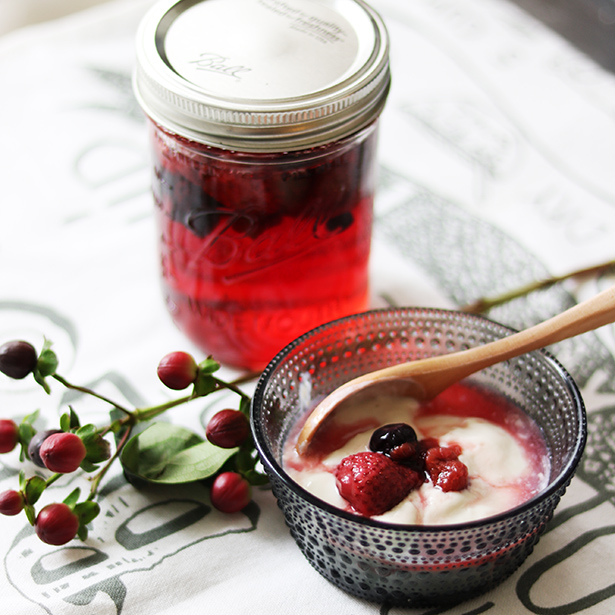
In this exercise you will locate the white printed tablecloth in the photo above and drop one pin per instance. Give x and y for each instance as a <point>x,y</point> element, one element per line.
<point>497,153</point>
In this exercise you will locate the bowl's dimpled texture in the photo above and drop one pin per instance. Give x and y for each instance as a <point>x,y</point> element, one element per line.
<point>402,567</point>
<point>412,565</point>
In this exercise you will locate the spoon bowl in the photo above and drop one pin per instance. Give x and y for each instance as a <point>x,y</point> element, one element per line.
<point>424,379</point>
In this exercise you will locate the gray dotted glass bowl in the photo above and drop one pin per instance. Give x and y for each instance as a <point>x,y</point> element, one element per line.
<point>412,565</point>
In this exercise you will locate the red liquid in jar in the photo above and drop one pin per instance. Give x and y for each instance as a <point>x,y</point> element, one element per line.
<point>256,249</point>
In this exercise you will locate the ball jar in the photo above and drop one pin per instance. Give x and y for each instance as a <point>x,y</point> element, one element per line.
<point>263,118</point>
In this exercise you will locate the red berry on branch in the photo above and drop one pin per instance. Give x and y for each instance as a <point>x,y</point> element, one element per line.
<point>9,435</point>
<point>34,448</point>
<point>177,370</point>
<point>228,428</point>
<point>63,452</point>
<point>11,502</point>
<point>230,492</point>
<point>17,359</point>
<point>56,524</point>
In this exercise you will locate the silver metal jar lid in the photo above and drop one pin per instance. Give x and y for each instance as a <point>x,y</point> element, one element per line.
<point>262,75</point>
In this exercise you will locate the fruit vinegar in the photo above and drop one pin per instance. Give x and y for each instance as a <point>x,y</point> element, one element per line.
<point>263,153</point>
<point>257,249</point>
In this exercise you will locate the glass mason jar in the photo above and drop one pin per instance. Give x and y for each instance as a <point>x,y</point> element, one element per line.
<point>263,123</point>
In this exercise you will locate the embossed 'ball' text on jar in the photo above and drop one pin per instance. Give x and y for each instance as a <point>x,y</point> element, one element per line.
<point>263,120</point>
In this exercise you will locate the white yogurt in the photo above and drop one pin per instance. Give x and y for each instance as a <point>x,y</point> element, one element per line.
<point>502,470</point>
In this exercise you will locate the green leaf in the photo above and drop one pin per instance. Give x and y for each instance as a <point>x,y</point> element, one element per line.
<point>30,418</point>
<point>87,430</point>
<point>73,497</point>
<point>65,422</point>
<point>196,463</point>
<point>244,461</point>
<point>244,406</point>
<point>30,513</point>
<point>169,454</point>
<point>26,433</point>
<point>33,489</point>
<point>88,466</point>
<point>74,419</point>
<point>147,453</point>
<point>47,362</point>
<point>96,447</point>
<point>41,380</point>
<point>209,366</point>
<point>46,365</point>
<point>204,385</point>
<point>257,479</point>
<point>86,511</point>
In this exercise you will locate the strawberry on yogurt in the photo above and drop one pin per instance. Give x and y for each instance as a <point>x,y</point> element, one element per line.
<point>466,455</point>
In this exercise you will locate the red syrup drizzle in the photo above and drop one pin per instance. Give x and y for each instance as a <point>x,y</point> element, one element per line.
<point>472,402</point>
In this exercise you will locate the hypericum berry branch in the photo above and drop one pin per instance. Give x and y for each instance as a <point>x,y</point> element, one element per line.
<point>87,391</point>
<point>95,480</point>
<point>228,451</point>
<point>484,304</point>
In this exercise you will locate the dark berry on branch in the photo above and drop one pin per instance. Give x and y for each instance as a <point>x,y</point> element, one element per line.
<point>177,370</point>
<point>11,502</point>
<point>9,435</point>
<point>230,492</point>
<point>17,359</point>
<point>34,448</point>
<point>228,428</point>
<point>63,452</point>
<point>56,524</point>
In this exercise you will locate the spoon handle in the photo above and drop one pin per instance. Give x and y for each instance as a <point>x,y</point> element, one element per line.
<point>425,378</point>
<point>586,316</point>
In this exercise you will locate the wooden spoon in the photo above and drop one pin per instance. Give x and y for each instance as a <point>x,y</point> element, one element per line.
<point>425,378</point>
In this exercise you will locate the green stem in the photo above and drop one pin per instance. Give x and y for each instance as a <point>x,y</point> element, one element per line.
<point>231,386</point>
<point>52,479</point>
<point>486,303</point>
<point>138,415</point>
<point>87,391</point>
<point>145,414</point>
<point>103,471</point>
<point>245,378</point>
